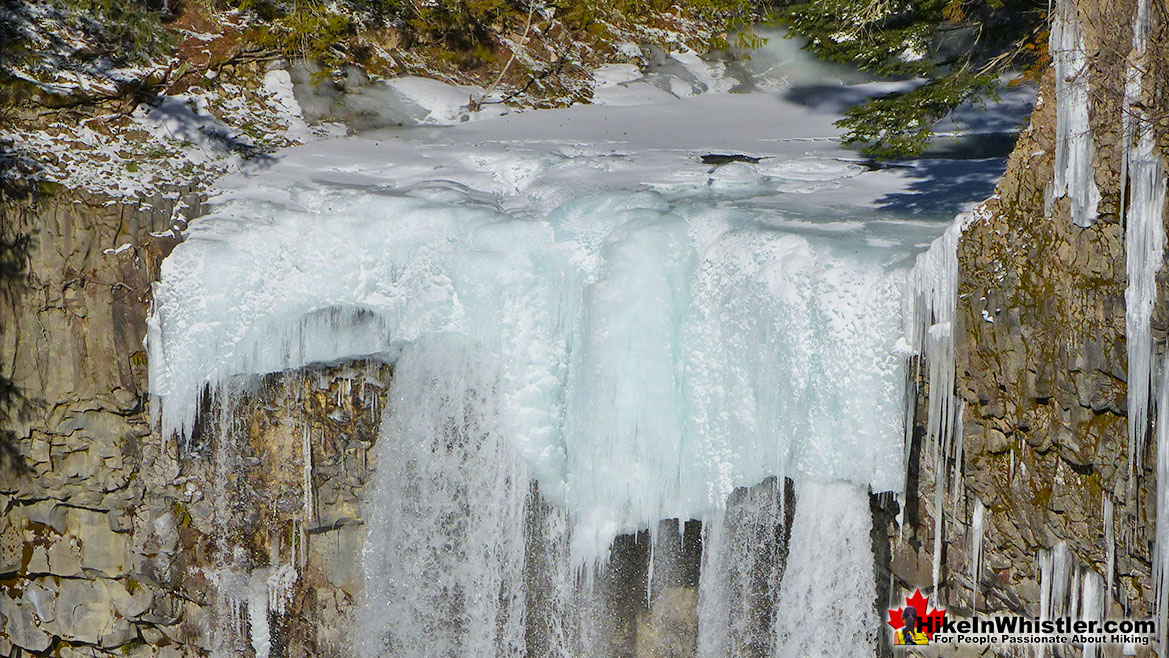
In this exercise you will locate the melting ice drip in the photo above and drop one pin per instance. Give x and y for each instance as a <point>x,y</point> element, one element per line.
<point>635,357</point>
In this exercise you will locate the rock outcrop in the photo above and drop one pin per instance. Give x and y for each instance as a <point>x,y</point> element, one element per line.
<point>1042,370</point>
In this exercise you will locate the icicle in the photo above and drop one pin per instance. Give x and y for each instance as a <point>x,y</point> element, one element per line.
<point>976,530</point>
<point>1061,566</point>
<point>280,588</point>
<point>932,297</point>
<point>1046,575</point>
<point>1144,239</point>
<point>1074,175</point>
<point>956,486</point>
<point>1091,607</point>
<point>260,633</point>
<point>1110,542</point>
<point>1161,550</point>
<point>936,571</point>
<point>307,483</point>
<point>649,576</point>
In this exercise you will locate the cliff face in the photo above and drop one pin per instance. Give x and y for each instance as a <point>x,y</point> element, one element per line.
<point>1042,371</point>
<point>90,535</point>
<point>113,539</point>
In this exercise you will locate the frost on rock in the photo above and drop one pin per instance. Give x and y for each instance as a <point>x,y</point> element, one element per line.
<point>1074,174</point>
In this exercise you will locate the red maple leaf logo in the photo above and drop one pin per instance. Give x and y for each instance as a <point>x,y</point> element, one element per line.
<point>930,622</point>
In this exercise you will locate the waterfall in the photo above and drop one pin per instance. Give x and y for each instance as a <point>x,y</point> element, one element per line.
<point>829,581</point>
<point>445,567</point>
<point>622,400</point>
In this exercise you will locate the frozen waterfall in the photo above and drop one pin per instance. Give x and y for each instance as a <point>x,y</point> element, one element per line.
<point>623,379</point>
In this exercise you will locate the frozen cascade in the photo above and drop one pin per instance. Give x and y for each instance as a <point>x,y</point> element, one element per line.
<point>585,337</point>
<point>1074,176</point>
<point>929,311</point>
<point>1144,238</point>
<point>635,343</point>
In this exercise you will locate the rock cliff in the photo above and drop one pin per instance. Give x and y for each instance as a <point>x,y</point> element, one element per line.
<point>1042,371</point>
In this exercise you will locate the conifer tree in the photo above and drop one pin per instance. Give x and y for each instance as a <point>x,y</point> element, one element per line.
<point>962,49</point>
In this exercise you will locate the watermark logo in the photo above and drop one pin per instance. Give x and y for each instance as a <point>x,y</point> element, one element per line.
<point>917,624</point>
<point>913,624</point>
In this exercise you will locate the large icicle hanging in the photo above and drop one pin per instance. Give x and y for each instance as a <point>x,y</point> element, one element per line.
<point>1074,175</point>
<point>1144,238</point>
<point>977,526</point>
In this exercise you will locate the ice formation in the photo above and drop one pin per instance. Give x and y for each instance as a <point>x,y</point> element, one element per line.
<point>633,342</point>
<point>977,523</point>
<point>1074,173</point>
<point>1144,238</point>
<point>580,307</point>
<point>1092,605</point>
<point>928,314</point>
<point>1161,550</point>
<point>1144,253</point>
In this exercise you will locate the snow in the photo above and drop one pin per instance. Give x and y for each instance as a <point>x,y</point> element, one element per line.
<point>184,119</point>
<point>278,84</point>
<point>1074,173</point>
